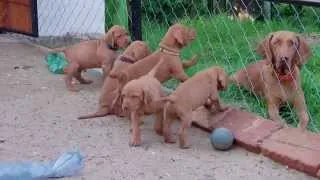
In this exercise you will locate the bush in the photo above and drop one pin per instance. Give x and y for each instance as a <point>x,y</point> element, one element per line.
<point>169,11</point>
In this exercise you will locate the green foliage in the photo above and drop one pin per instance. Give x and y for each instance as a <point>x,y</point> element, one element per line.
<point>168,11</point>
<point>231,44</point>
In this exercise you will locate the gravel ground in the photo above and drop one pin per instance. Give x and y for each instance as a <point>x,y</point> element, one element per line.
<point>38,122</point>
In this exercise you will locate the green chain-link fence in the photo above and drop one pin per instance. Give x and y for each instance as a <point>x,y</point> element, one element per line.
<point>230,42</point>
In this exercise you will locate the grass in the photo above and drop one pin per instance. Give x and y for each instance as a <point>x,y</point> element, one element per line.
<point>231,44</point>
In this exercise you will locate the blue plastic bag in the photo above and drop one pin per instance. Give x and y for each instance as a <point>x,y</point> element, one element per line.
<point>68,164</point>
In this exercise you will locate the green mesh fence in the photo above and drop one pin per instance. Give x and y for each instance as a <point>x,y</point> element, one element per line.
<point>230,42</point>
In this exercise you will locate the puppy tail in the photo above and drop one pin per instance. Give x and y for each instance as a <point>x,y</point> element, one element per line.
<point>154,70</point>
<point>190,63</point>
<point>100,113</point>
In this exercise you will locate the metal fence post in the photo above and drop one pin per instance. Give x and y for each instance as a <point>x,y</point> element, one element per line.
<point>135,20</point>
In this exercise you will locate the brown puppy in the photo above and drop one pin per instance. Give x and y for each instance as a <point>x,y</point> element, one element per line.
<point>201,89</point>
<point>177,37</point>
<point>140,98</point>
<point>93,54</point>
<point>277,77</point>
<point>133,53</point>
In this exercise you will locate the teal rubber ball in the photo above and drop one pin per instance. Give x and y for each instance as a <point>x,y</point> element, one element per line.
<point>222,139</point>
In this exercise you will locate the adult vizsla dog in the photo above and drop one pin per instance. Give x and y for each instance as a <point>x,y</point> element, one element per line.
<point>277,77</point>
<point>177,37</point>
<point>93,54</point>
<point>107,103</point>
<point>202,89</point>
<point>140,98</point>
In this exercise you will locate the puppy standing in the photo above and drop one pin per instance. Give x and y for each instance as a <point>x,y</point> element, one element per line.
<point>177,37</point>
<point>277,77</point>
<point>107,103</point>
<point>93,54</point>
<point>201,89</point>
<point>139,99</point>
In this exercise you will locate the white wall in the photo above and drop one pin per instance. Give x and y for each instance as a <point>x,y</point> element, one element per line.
<point>58,17</point>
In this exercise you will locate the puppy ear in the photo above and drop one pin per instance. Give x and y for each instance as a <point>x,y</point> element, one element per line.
<point>110,38</point>
<point>303,52</point>
<point>146,97</point>
<point>178,36</point>
<point>222,79</point>
<point>265,49</point>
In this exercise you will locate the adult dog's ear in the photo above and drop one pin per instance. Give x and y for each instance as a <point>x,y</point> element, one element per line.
<point>264,48</point>
<point>303,52</point>
<point>222,79</point>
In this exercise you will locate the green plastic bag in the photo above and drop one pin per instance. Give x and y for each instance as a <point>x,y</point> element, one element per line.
<point>56,62</point>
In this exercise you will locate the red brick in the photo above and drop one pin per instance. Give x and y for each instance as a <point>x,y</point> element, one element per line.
<point>203,118</point>
<point>294,148</point>
<point>249,130</point>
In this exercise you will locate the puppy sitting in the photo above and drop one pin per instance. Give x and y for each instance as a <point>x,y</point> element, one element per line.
<point>93,54</point>
<point>277,77</point>
<point>107,103</point>
<point>139,98</point>
<point>200,90</point>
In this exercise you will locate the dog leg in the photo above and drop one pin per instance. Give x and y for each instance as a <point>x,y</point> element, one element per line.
<point>158,126</point>
<point>301,109</point>
<point>167,134</point>
<point>136,134</point>
<point>273,109</point>
<point>79,77</point>
<point>70,71</point>
<point>181,76</point>
<point>186,121</point>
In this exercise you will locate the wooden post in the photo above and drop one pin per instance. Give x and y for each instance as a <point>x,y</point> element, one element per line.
<point>135,20</point>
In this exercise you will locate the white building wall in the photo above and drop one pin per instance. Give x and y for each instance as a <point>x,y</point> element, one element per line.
<point>59,17</point>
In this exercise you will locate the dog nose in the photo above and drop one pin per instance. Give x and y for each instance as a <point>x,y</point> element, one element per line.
<point>124,108</point>
<point>283,59</point>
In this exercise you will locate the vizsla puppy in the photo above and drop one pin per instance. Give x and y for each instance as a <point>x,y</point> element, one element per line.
<point>200,90</point>
<point>177,37</point>
<point>277,77</point>
<point>134,52</point>
<point>140,98</point>
<point>93,54</point>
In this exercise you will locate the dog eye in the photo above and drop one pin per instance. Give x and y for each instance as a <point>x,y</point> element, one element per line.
<point>277,42</point>
<point>291,43</point>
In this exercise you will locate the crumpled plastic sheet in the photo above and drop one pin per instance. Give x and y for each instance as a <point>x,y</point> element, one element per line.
<point>68,164</point>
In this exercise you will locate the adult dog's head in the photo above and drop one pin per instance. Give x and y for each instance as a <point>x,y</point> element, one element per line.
<point>284,50</point>
<point>117,37</point>
<point>178,36</point>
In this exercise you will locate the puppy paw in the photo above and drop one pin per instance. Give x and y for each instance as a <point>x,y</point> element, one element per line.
<point>135,142</point>
<point>185,146</point>
<point>169,140</point>
<point>158,131</point>
<point>73,89</point>
<point>86,81</point>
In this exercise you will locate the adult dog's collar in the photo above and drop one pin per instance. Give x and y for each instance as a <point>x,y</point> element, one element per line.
<point>165,49</point>
<point>287,77</point>
<point>111,47</point>
<point>127,59</point>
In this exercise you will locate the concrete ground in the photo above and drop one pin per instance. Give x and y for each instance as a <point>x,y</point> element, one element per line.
<point>38,122</point>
